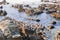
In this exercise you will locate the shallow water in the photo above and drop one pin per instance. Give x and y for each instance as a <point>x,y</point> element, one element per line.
<point>45,19</point>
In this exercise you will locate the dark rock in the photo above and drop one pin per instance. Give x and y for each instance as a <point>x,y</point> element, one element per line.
<point>7,3</point>
<point>37,13</point>
<point>40,33</point>
<point>51,27</point>
<point>1,7</point>
<point>53,22</point>
<point>3,13</point>
<point>37,20</point>
<point>26,5</point>
<point>58,33</point>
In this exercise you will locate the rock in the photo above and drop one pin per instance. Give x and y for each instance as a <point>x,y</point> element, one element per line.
<point>3,13</point>
<point>58,8</point>
<point>51,10</point>
<point>19,38</point>
<point>32,37</point>
<point>1,38</point>
<point>9,28</point>
<point>43,6</point>
<point>1,7</point>
<point>51,27</point>
<point>37,20</point>
<point>57,36</point>
<point>37,11</point>
<point>20,8</point>
<point>7,3</point>
<point>29,11</point>
<point>46,1</point>
<point>53,22</point>
<point>26,6</point>
<point>55,15</point>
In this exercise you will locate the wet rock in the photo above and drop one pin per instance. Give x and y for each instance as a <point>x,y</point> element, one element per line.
<point>57,36</point>
<point>20,8</point>
<point>1,7</point>
<point>42,36</point>
<point>43,6</point>
<point>7,3</point>
<point>29,11</point>
<point>40,33</point>
<point>51,27</point>
<point>50,6</point>
<point>58,33</point>
<point>15,6</point>
<point>26,6</point>
<point>1,38</point>
<point>37,11</point>
<point>37,20</point>
<point>51,11</point>
<point>58,8</point>
<point>53,22</point>
<point>32,37</point>
<point>29,31</point>
<point>19,38</point>
<point>56,15</point>
<point>3,13</point>
<point>9,28</point>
